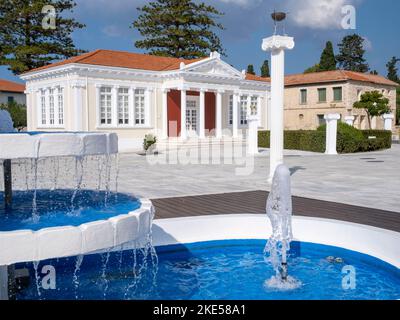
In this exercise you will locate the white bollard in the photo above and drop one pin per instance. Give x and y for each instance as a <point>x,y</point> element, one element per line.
<point>349,120</point>
<point>331,133</point>
<point>388,119</point>
<point>277,45</point>
<point>252,135</point>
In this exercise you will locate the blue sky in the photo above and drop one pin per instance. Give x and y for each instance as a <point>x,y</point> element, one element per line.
<point>247,22</point>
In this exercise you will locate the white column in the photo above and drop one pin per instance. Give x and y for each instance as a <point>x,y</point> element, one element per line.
<point>252,134</point>
<point>97,105</point>
<point>259,110</point>
<point>277,45</point>
<point>78,106</point>
<point>147,107</point>
<point>388,119</point>
<point>331,133</point>
<point>218,115</point>
<point>349,120</point>
<point>165,113</point>
<point>202,120</point>
<point>131,106</point>
<point>114,103</point>
<point>235,114</point>
<point>183,114</point>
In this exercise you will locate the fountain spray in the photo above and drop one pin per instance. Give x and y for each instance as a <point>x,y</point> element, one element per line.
<point>279,211</point>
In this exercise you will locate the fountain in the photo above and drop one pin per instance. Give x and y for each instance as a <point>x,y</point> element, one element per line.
<point>279,211</point>
<point>55,210</point>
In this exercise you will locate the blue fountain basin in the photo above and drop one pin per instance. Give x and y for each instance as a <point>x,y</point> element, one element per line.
<point>222,270</point>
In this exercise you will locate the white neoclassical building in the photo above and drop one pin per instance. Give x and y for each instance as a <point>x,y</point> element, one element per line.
<point>135,94</point>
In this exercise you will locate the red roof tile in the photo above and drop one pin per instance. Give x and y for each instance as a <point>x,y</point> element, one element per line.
<point>10,86</point>
<point>123,59</point>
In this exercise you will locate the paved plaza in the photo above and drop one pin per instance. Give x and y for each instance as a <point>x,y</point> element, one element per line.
<point>366,179</point>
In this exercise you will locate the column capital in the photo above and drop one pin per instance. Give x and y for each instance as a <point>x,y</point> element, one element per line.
<point>203,90</point>
<point>388,116</point>
<point>183,88</point>
<point>277,42</point>
<point>332,116</point>
<point>220,91</point>
<point>78,85</point>
<point>165,90</point>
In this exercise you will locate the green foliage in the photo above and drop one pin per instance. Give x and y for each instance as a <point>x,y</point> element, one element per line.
<point>265,73</point>
<point>178,28</point>
<point>374,103</point>
<point>306,140</point>
<point>392,69</point>
<point>149,140</point>
<point>17,113</point>
<point>25,44</point>
<point>351,54</point>
<point>315,68</point>
<point>374,72</point>
<point>328,60</point>
<point>250,69</point>
<point>349,139</point>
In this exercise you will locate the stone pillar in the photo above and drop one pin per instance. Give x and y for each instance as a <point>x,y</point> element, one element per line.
<point>331,133</point>
<point>277,45</point>
<point>183,114</point>
<point>388,119</point>
<point>349,120</point>
<point>78,106</point>
<point>218,116</point>
<point>202,119</point>
<point>252,134</point>
<point>235,115</point>
<point>164,114</point>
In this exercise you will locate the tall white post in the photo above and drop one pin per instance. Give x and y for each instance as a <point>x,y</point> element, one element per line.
<point>235,111</point>
<point>202,120</point>
<point>218,117</point>
<point>183,114</point>
<point>349,120</point>
<point>331,133</point>
<point>164,114</point>
<point>277,45</point>
<point>252,132</point>
<point>388,119</point>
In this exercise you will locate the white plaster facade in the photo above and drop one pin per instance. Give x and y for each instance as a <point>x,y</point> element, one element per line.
<point>68,97</point>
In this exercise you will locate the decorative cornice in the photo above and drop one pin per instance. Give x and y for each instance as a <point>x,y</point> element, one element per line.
<point>277,43</point>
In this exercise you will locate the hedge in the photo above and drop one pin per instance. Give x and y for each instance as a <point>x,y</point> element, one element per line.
<point>349,140</point>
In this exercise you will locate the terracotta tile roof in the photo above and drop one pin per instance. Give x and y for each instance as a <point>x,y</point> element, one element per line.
<point>335,76</point>
<point>123,59</point>
<point>253,77</point>
<point>10,86</point>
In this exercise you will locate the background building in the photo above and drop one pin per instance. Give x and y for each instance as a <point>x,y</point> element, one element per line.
<point>12,92</point>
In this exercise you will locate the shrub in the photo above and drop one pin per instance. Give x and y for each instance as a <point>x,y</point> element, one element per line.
<point>17,113</point>
<point>149,140</point>
<point>349,140</point>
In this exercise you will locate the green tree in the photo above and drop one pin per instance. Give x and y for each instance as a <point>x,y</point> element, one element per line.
<point>17,113</point>
<point>314,68</point>
<point>328,60</point>
<point>374,103</point>
<point>374,72</point>
<point>351,54</point>
<point>265,73</point>
<point>178,28</point>
<point>25,42</point>
<point>392,69</point>
<point>250,69</point>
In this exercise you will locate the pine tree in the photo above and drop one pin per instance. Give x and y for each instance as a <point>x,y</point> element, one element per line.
<point>392,69</point>
<point>328,60</point>
<point>314,68</point>
<point>265,73</point>
<point>351,56</point>
<point>25,42</point>
<point>250,69</point>
<point>178,28</point>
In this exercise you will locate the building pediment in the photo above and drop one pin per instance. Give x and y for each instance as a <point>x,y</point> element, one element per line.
<point>213,66</point>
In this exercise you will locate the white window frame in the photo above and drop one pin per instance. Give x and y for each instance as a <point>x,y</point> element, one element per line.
<point>48,108</point>
<point>139,104</point>
<point>123,97</point>
<point>244,101</point>
<point>108,109</point>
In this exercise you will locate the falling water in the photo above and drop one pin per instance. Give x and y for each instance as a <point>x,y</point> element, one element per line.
<point>78,177</point>
<point>35,215</point>
<point>105,258</point>
<point>37,279</point>
<point>75,278</point>
<point>279,211</point>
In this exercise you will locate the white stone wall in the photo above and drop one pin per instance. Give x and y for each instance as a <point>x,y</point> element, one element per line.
<point>18,97</point>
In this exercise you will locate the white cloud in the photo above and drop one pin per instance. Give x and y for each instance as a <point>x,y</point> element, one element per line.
<point>320,14</point>
<point>112,31</point>
<point>367,44</point>
<point>242,3</point>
